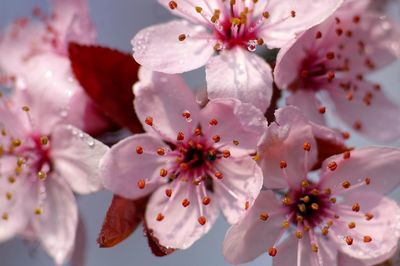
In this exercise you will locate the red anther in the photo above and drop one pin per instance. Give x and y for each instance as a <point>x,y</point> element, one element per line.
<point>185,203</point>
<point>356,207</point>
<point>197,131</point>
<point>349,96</point>
<point>282,164</point>
<point>339,31</point>
<point>293,13</point>
<point>352,225</point>
<point>180,136</point>
<point>330,55</point>
<point>272,252</point>
<point>141,184</point>
<point>322,110</point>
<point>367,239</point>
<point>264,216</point>
<point>219,175</point>
<point>356,19</point>
<point>160,217</point>
<point>206,200</point>
<point>349,240</point>
<point>213,122</point>
<point>202,220</point>
<point>247,205</point>
<point>163,172</point>
<point>184,166</point>
<point>332,166</point>
<point>181,38</point>
<point>349,33</point>
<point>168,192</point>
<point>149,121</point>
<point>139,149</point>
<point>377,87</point>
<point>226,153</point>
<point>161,151</point>
<point>330,76</point>
<point>186,114</point>
<point>369,216</point>
<point>346,184</point>
<point>318,35</point>
<point>216,138</point>
<point>304,74</point>
<point>346,155</point>
<point>357,125</point>
<point>359,77</point>
<point>307,146</point>
<point>337,20</point>
<point>346,135</point>
<point>235,142</point>
<point>173,5</point>
<point>367,180</point>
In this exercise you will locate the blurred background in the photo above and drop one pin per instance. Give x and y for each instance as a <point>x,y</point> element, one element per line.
<point>117,21</point>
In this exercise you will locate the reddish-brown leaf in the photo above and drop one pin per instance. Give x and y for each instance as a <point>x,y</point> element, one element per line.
<point>154,244</point>
<point>107,76</point>
<point>122,219</point>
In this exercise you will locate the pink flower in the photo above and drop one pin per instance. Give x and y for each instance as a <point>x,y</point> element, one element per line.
<point>313,218</point>
<point>195,162</point>
<point>325,70</point>
<point>233,29</point>
<point>30,49</point>
<point>41,162</point>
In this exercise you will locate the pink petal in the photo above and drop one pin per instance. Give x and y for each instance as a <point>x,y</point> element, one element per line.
<point>345,260</point>
<point>56,226</point>
<point>383,228</point>
<point>252,236</point>
<point>20,208</point>
<point>284,142</point>
<point>180,227</point>
<point>247,121</point>
<point>295,250</point>
<point>76,157</point>
<point>240,186</point>
<point>158,47</point>
<point>307,102</point>
<point>369,117</point>
<point>282,28</point>
<point>186,9</point>
<point>378,163</point>
<point>165,98</point>
<point>240,74</point>
<point>122,167</point>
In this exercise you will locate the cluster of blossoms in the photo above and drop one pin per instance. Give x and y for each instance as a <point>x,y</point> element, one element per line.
<point>283,178</point>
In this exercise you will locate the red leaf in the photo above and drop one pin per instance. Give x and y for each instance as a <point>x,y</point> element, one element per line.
<point>327,149</point>
<point>154,244</point>
<point>122,219</point>
<point>107,76</point>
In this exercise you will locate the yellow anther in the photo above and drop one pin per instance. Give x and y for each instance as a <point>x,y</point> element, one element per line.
<point>42,175</point>
<point>44,140</point>
<point>38,211</point>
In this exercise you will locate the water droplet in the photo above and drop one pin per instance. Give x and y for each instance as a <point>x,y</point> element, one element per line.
<point>252,45</point>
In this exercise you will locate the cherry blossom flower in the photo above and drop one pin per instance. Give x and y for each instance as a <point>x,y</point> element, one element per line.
<point>42,162</point>
<point>312,219</point>
<point>326,68</point>
<point>194,162</point>
<point>31,48</point>
<point>232,29</point>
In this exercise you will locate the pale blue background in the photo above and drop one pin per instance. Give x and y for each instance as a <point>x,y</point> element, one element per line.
<point>117,21</point>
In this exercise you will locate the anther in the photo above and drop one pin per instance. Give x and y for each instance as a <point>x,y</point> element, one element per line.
<point>307,146</point>
<point>346,135</point>
<point>149,121</point>
<point>272,252</point>
<point>367,180</point>
<point>235,142</point>
<point>168,192</point>
<point>356,19</point>
<point>9,196</point>
<point>322,110</point>
<point>25,109</point>
<point>219,175</point>
<point>181,38</point>
<point>293,13</point>
<point>302,207</point>
<point>332,166</point>
<point>369,216</point>
<point>285,224</point>
<point>42,175</point>
<point>226,153</point>
<point>333,200</point>
<point>44,140</point>
<point>314,206</point>
<point>247,205</point>
<point>163,172</point>
<point>172,5</point>
<point>330,76</point>
<point>38,211</point>
<point>264,216</point>
<point>180,136</point>
<point>141,184</point>
<point>16,142</point>
<point>330,55</point>
<point>161,151</point>
<point>318,35</point>
<point>198,9</point>
<point>346,184</point>
<point>11,179</point>
<point>349,240</point>
<point>5,216</point>
<point>314,248</point>
<point>346,155</point>
<point>213,122</point>
<point>216,138</point>
<point>306,199</point>
<point>185,203</point>
<point>352,225</point>
<point>306,228</point>
<point>160,217</point>
<point>339,32</point>
<point>197,131</point>
<point>299,235</point>
<point>139,149</point>
<point>206,201</point>
<point>286,201</point>
<point>367,239</point>
<point>282,164</point>
<point>266,14</point>
<point>202,220</point>
<point>325,230</point>
<point>328,191</point>
<point>315,192</point>
<point>356,207</point>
